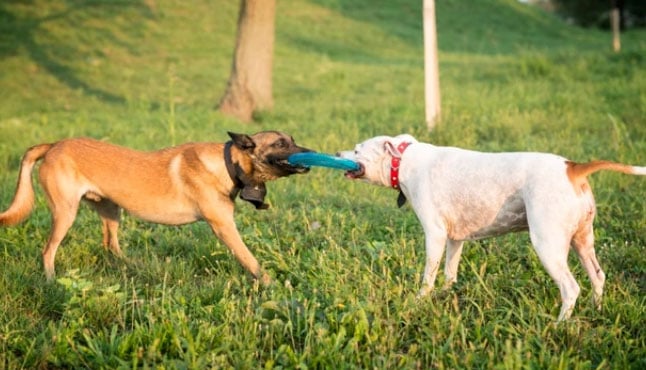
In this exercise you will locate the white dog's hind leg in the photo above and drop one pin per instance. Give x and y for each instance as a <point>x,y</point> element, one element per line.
<point>434,249</point>
<point>583,243</point>
<point>453,254</point>
<point>553,252</point>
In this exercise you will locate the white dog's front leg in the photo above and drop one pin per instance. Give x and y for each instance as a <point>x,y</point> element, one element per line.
<point>453,253</point>
<point>434,249</point>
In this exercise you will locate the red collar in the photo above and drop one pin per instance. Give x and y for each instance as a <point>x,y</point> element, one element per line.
<point>394,166</point>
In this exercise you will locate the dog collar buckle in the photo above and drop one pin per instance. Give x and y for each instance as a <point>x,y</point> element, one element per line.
<point>255,194</point>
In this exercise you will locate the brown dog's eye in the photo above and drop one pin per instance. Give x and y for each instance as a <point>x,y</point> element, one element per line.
<point>282,143</point>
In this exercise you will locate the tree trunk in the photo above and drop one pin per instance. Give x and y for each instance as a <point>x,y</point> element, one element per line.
<point>250,86</point>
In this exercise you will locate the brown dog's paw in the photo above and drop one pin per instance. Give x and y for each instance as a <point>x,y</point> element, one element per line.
<point>265,279</point>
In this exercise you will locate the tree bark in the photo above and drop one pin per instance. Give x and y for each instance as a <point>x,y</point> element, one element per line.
<point>250,84</point>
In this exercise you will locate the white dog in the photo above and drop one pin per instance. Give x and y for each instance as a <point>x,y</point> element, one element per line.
<point>463,195</point>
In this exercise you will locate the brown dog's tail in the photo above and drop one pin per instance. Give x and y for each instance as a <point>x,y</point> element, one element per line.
<point>23,200</point>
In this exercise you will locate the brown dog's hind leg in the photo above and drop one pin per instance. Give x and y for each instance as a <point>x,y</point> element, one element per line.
<point>109,213</point>
<point>62,196</point>
<point>63,215</point>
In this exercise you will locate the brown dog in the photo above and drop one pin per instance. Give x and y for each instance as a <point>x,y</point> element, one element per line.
<point>173,186</point>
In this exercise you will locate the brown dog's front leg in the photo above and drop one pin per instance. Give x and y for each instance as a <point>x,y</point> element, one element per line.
<point>226,230</point>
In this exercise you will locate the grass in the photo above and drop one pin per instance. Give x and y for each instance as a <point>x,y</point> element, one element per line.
<point>346,261</point>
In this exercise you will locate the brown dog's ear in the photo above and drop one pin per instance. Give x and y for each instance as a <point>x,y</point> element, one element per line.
<point>242,141</point>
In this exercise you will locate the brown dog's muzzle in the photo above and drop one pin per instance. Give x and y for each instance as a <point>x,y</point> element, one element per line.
<point>281,163</point>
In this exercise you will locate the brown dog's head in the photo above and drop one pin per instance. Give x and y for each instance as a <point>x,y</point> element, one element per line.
<point>268,152</point>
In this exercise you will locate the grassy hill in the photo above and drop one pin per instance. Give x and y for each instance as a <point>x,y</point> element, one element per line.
<point>347,262</point>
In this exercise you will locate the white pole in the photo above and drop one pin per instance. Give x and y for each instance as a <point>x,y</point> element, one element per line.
<point>614,21</point>
<point>431,67</point>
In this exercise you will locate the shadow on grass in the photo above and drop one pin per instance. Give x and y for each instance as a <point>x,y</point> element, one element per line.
<point>482,27</point>
<point>21,28</point>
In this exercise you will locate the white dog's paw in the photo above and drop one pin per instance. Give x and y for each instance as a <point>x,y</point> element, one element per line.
<point>424,291</point>
<point>448,283</point>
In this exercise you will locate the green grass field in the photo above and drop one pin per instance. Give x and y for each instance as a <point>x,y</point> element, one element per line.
<point>346,261</point>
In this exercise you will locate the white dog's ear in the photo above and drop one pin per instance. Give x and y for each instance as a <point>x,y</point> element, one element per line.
<point>391,149</point>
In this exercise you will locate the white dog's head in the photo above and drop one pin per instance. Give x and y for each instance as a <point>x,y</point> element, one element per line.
<point>374,157</point>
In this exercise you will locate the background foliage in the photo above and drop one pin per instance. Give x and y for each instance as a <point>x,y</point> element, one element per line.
<point>346,261</point>
<point>596,13</point>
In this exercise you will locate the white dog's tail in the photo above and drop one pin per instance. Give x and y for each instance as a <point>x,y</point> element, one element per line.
<point>582,170</point>
<point>23,200</point>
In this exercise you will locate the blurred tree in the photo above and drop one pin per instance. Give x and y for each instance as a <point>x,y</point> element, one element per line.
<point>250,84</point>
<point>632,13</point>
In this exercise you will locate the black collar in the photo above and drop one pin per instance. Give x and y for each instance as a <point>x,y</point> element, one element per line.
<point>249,190</point>
<point>232,169</point>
